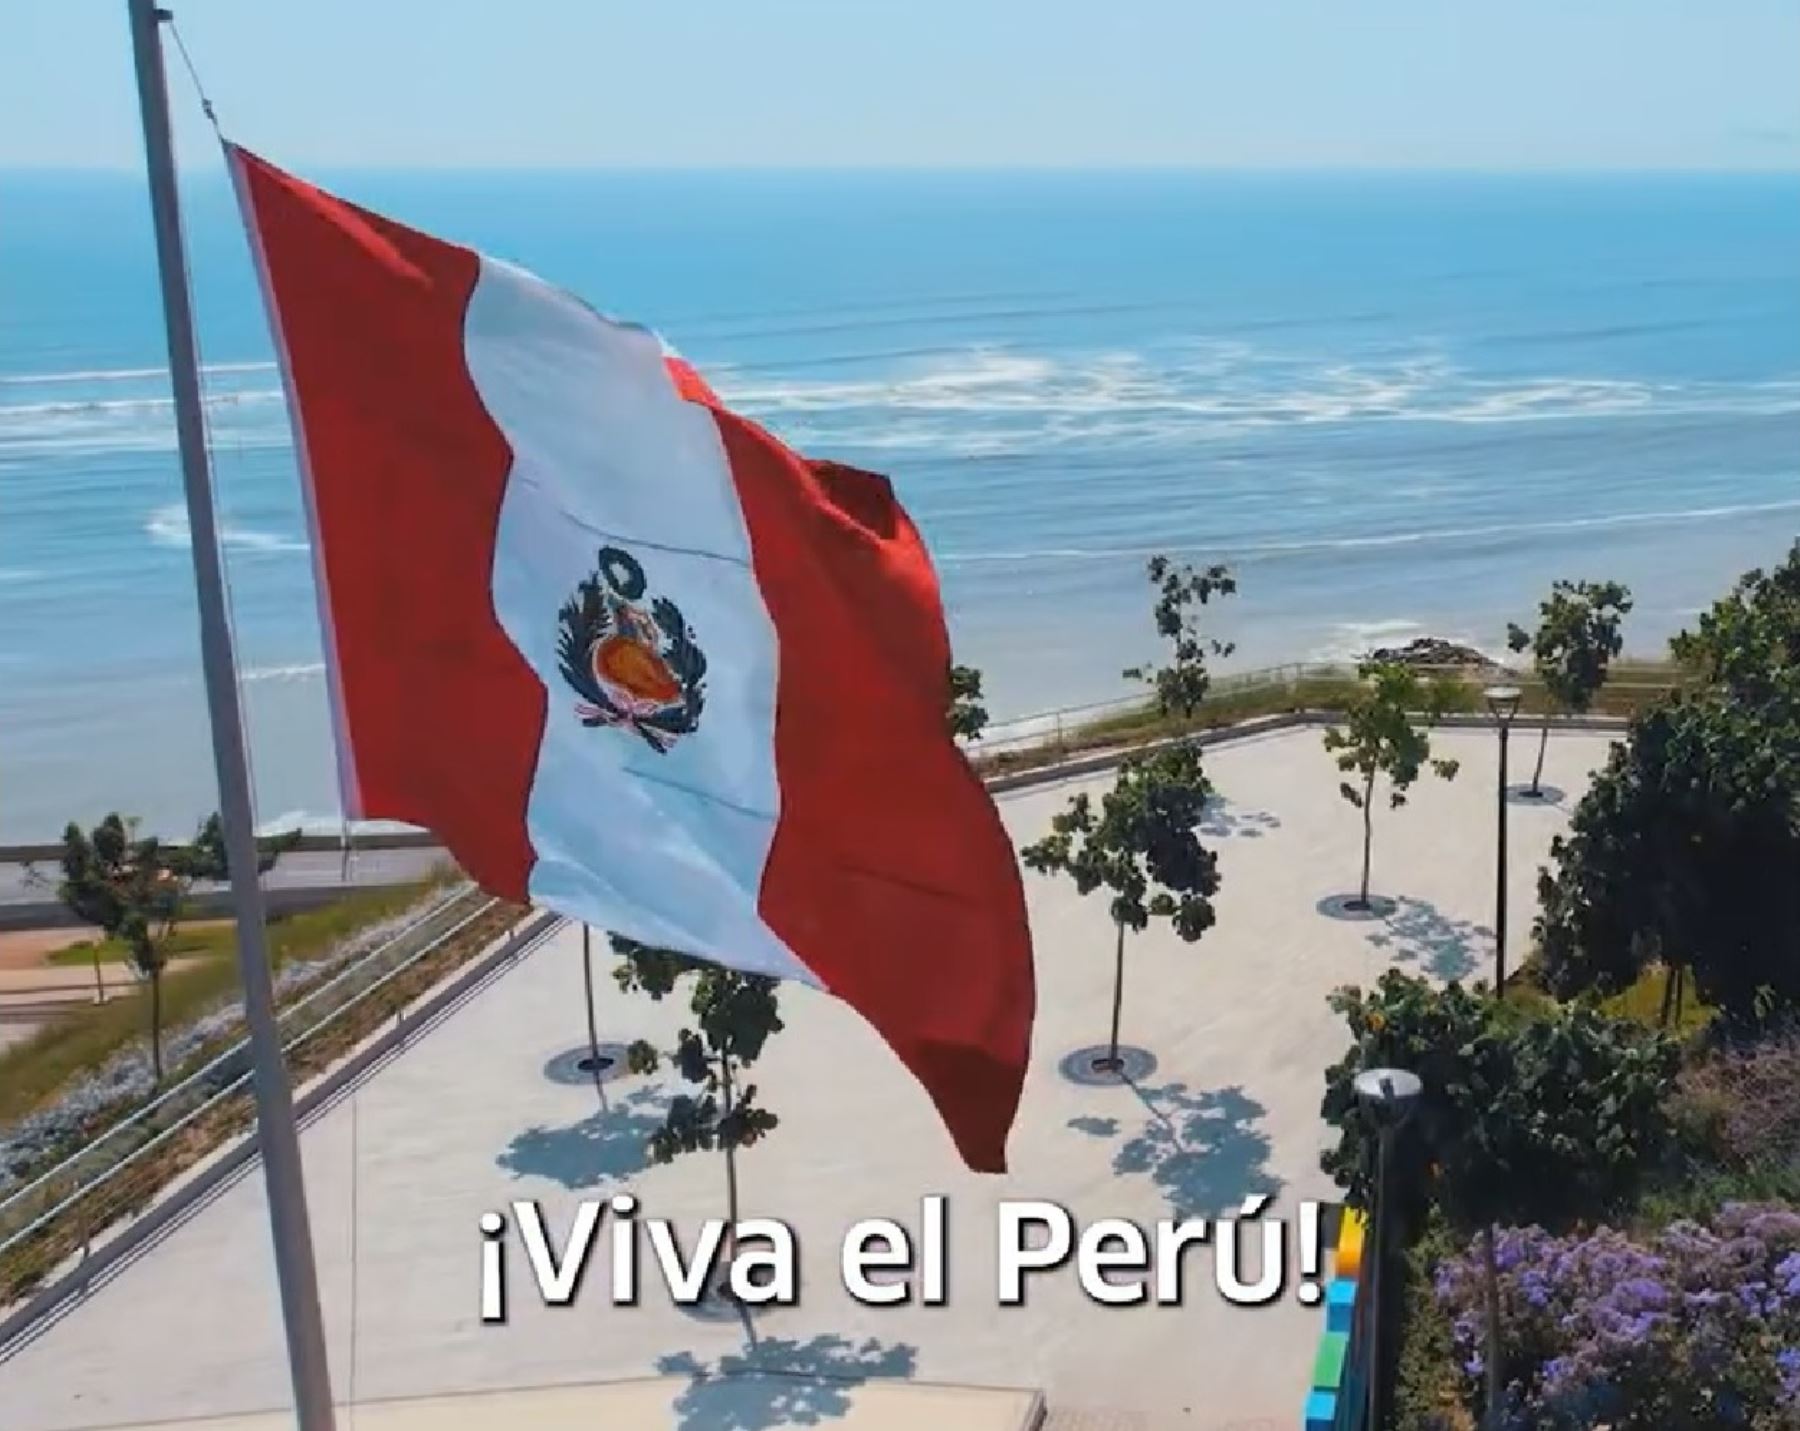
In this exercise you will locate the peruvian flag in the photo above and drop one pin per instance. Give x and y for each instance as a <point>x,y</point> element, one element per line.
<point>626,654</point>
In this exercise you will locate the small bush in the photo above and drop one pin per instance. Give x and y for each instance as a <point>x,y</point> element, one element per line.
<point>1551,1114</point>
<point>1428,1387</point>
<point>1744,1103</point>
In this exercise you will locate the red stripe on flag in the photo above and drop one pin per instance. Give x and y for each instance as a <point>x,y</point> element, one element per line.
<point>890,874</point>
<point>405,475</point>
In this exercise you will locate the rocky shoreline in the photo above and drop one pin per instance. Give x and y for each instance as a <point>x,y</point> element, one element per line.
<point>1431,651</point>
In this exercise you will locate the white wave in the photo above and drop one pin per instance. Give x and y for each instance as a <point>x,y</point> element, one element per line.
<point>300,671</point>
<point>1026,401</point>
<point>121,375</point>
<point>245,419</point>
<point>110,407</point>
<point>1378,540</point>
<point>168,527</point>
<point>1393,629</point>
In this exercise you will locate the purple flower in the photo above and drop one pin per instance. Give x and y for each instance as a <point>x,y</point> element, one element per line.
<point>1698,1324</point>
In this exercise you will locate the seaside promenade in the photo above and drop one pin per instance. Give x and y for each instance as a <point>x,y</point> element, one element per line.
<point>301,879</point>
<point>465,1121</point>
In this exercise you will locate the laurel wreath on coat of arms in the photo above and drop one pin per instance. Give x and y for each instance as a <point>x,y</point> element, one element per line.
<point>632,666</point>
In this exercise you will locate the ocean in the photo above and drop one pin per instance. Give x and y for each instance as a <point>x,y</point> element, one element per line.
<point>1396,404</point>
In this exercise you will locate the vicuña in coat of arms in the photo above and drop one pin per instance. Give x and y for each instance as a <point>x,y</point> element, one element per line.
<point>632,666</point>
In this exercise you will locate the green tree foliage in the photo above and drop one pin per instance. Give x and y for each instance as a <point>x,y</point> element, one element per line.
<point>1139,844</point>
<point>1548,1117</point>
<point>135,890</point>
<point>968,716</point>
<point>1576,638</point>
<point>735,1015</point>
<point>1749,642</point>
<point>1383,734</point>
<point>1684,848</point>
<point>1181,685</point>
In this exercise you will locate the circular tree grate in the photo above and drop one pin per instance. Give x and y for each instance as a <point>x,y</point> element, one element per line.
<point>1350,906</point>
<point>577,1065</point>
<point>1088,1066</point>
<point>1547,795</point>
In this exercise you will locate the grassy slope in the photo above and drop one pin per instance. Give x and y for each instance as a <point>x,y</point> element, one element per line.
<point>32,1071</point>
<point>182,944</point>
<point>26,1264</point>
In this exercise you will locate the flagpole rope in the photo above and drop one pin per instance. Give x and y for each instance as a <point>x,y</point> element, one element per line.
<point>187,61</point>
<point>167,17</point>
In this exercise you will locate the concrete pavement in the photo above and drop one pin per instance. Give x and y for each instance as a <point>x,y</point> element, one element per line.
<point>744,1400</point>
<point>466,1122</point>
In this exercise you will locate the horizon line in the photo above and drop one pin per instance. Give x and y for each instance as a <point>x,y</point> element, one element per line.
<point>1095,169</point>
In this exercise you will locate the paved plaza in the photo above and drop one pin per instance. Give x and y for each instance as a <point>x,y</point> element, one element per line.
<point>466,1121</point>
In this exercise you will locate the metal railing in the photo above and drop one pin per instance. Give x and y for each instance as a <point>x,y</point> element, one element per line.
<point>112,1175</point>
<point>1055,729</point>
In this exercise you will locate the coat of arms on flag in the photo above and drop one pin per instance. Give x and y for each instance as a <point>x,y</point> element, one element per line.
<point>632,667</point>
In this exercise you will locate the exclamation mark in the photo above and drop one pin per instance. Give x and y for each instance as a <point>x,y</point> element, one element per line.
<point>1309,1290</point>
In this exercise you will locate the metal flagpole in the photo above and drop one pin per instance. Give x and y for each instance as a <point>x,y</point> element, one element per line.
<point>277,1134</point>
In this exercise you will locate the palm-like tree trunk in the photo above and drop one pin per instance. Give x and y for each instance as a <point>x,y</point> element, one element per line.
<point>593,1030</point>
<point>99,977</point>
<point>1537,775</point>
<point>156,1062</point>
<point>731,1181</point>
<point>1118,1002</point>
<point>1368,814</point>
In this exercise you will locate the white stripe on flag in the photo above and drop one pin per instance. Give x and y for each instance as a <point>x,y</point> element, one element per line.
<point>606,454</point>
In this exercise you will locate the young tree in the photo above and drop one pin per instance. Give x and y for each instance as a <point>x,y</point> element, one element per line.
<point>1683,852</point>
<point>1576,639</point>
<point>1181,685</point>
<point>735,1015</point>
<point>1141,846</point>
<point>135,890</point>
<point>1523,1117</point>
<point>968,717</point>
<point>1381,735</point>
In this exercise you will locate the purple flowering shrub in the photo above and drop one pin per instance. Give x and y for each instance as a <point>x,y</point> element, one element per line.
<point>1695,1328</point>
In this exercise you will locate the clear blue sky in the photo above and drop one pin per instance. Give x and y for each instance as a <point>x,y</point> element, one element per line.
<point>1710,84</point>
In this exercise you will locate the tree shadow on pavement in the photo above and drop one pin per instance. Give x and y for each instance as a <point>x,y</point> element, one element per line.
<point>1418,932</point>
<point>1222,820</point>
<point>779,1383</point>
<point>608,1146</point>
<point>1202,1149</point>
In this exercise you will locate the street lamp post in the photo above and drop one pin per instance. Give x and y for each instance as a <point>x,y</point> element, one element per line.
<point>1389,1095</point>
<point>1503,705</point>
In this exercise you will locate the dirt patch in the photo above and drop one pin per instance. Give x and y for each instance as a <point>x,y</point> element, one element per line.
<point>29,948</point>
<point>32,948</point>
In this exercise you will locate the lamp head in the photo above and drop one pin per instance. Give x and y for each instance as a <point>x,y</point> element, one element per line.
<point>1390,1094</point>
<point>1503,702</point>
